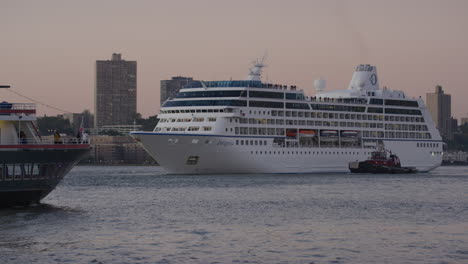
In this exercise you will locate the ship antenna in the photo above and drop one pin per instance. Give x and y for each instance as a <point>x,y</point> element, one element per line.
<point>255,73</point>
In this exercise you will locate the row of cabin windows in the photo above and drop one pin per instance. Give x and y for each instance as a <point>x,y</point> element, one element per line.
<point>365,133</point>
<point>251,142</point>
<point>310,152</point>
<point>346,116</point>
<point>267,104</point>
<point>314,115</point>
<point>30,171</point>
<point>288,105</point>
<point>182,129</point>
<point>181,111</point>
<point>193,119</point>
<point>407,127</point>
<point>307,115</point>
<point>427,145</point>
<point>289,96</point>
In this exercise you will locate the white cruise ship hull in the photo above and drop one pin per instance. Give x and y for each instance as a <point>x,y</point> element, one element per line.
<point>219,154</point>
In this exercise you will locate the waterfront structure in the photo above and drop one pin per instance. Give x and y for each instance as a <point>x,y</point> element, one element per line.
<point>170,88</point>
<point>115,92</point>
<point>464,120</point>
<point>439,105</point>
<point>455,157</point>
<point>31,166</point>
<point>249,126</point>
<point>117,150</point>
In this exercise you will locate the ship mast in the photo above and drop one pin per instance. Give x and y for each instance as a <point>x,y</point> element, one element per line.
<point>256,71</point>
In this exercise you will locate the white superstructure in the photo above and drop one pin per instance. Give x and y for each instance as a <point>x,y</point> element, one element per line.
<point>253,127</point>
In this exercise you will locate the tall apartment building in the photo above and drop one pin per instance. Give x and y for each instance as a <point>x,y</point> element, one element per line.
<point>440,105</point>
<point>169,88</point>
<point>115,92</point>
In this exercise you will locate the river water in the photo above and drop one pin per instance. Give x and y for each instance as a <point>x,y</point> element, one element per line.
<point>139,215</point>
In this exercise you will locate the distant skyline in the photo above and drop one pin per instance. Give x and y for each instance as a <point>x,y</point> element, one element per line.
<point>49,48</point>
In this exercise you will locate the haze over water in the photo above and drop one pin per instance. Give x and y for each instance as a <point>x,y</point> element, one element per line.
<point>139,215</point>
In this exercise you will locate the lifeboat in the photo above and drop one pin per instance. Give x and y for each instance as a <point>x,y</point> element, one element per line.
<point>349,133</point>
<point>329,133</point>
<point>291,133</point>
<point>306,133</point>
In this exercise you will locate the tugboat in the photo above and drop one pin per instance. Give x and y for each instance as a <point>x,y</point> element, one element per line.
<point>381,161</point>
<point>31,166</point>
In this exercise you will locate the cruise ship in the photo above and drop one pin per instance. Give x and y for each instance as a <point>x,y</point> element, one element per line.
<point>31,166</point>
<point>249,126</point>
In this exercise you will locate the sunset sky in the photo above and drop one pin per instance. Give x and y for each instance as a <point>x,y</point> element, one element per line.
<point>48,49</point>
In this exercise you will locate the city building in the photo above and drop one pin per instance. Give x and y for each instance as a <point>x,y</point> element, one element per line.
<point>455,157</point>
<point>439,105</point>
<point>464,120</point>
<point>85,119</point>
<point>170,88</point>
<point>115,92</point>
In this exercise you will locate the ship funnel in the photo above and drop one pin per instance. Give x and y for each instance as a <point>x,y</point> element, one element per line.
<point>320,85</point>
<point>364,78</point>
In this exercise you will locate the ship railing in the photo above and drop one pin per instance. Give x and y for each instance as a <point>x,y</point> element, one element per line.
<point>12,108</point>
<point>339,100</point>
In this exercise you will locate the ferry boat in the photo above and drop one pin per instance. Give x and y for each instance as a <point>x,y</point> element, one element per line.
<point>31,166</point>
<point>249,126</point>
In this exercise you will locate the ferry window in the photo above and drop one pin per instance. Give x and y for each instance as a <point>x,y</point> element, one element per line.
<point>375,110</point>
<point>266,104</point>
<point>206,103</point>
<point>210,94</point>
<point>401,103</point>
<point>376,101</point>
<point>297,106</point>
<point>403,112</point>
<point>260,94</point>
<point>192,160</point>
<point>242,142</point>
<point>294,96</point>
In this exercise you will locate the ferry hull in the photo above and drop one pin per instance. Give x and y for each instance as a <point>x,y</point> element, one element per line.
<point>220,154</point>
<point>21,183</point>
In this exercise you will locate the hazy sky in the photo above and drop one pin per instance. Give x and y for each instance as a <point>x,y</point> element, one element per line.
<point>48,49</point>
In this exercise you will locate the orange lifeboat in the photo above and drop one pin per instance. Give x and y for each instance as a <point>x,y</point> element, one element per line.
<point>291,133</point>
<point>306,133</point>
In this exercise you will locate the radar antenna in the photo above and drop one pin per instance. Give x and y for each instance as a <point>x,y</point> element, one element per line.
<point>255,73</point>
